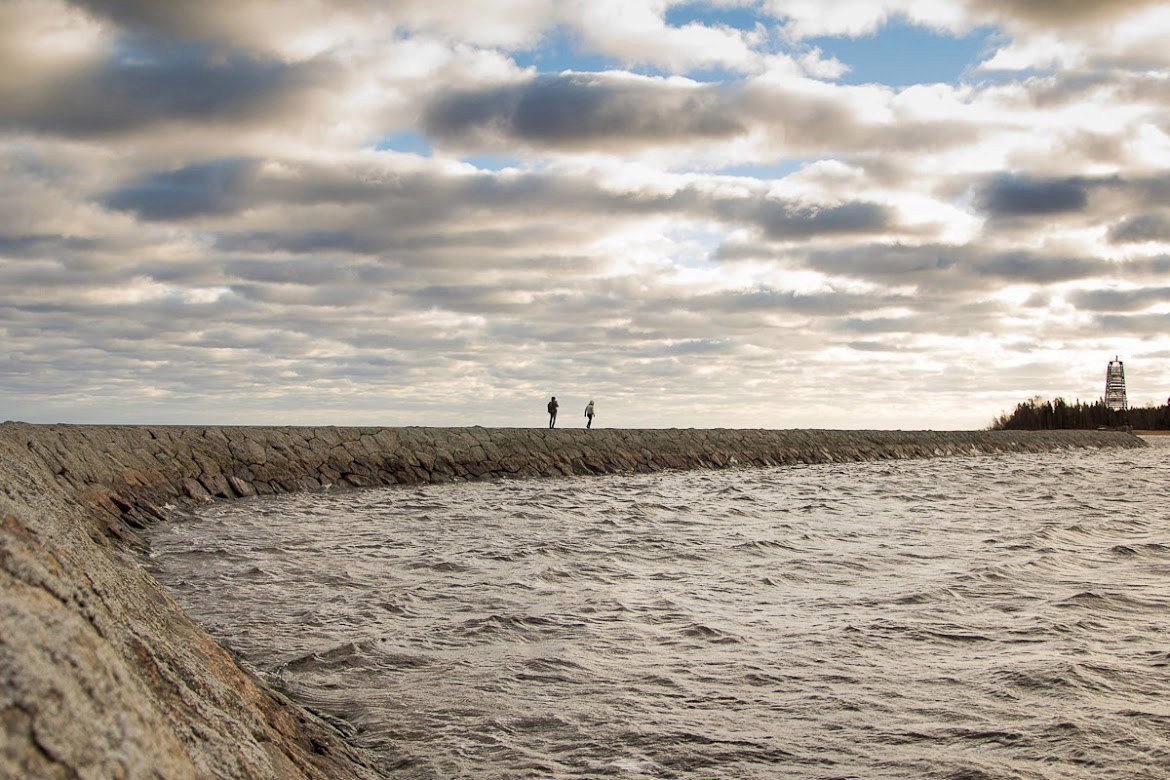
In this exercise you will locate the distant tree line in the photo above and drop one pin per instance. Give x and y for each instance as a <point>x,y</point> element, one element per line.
<point>1037,414</point>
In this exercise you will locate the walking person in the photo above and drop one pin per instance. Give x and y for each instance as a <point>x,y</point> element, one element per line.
<point>589,414</point>
<point>552,412</point>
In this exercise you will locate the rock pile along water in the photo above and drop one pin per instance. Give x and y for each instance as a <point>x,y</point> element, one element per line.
<point>101,674</point>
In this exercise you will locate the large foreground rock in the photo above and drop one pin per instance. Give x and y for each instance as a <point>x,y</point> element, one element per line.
<point>103,676</point>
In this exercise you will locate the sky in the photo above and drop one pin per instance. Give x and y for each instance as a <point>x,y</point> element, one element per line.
<point>734,213</point>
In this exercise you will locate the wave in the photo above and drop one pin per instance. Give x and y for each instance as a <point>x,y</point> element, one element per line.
<point>976,618</point>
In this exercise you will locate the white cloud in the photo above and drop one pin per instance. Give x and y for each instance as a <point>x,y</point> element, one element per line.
<point>668,245</point>
<point>635,31</point>
<point>813,18</point>
<point>1037,51</point>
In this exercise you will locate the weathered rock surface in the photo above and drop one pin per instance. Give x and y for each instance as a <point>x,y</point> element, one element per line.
<point>103,676</point>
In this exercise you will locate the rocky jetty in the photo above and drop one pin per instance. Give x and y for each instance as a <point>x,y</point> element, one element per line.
<point>103,676</point>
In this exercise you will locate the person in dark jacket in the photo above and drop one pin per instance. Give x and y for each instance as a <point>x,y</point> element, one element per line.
<point>552,412</point>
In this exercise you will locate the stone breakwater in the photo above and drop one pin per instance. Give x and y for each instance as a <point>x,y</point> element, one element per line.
<point>102,675</point>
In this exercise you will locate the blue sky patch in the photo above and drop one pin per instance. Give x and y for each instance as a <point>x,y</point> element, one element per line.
<point>743,18</point>
<point>405,141</point>
<point>767,170</point>
<point>558,50</point>
<point>696,247</point>
<point>491,162</point>
<point>901,54</point>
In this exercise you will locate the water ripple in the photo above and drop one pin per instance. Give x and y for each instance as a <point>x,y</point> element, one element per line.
<point>970,617</point>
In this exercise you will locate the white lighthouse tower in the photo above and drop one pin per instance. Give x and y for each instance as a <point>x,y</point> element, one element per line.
<point>1115,386</point>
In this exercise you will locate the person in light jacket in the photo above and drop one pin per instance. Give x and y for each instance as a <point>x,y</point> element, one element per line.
<point>589,415</point>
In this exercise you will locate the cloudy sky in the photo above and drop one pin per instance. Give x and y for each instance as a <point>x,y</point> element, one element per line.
<point>741,213</point>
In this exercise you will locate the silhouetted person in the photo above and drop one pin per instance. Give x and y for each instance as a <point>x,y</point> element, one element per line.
<point>552,412</point>
<point>589,415</point>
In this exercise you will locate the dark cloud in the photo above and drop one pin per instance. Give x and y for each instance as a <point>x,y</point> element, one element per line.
<point>755,302</point>
<point>873,346</point>
<point>215,187</point>
<point>313,241</point>
<point>310,271</point>
<point>894,264</point>
<point>957,268</point>
<point>432,211</point>
<point>324,295</point>
<point>575,110</point>
<point>470,298</point>
<point>1153,226</point>
<point>1119,300</point>
<point>1010,195</point>
<point>46,245</point>
<point>588,111</point>
<point>1154,189</point>
<point>1061,13</point>
<point>877,325</point>
<point>1155,267</point>
<point>1133,325</point>
<point>180,21</point>
<point>1122,201</point>
<point>252,24</point>
<point>698,347</point>
<point>142,88</point>
<point>1022,267</point>
<point>931,312</point>
<point>788,221</point>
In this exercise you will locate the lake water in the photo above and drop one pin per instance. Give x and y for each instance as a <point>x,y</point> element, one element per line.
<point>968,617</point>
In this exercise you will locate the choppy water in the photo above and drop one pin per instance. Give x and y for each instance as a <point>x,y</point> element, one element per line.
<point>982,617</point>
